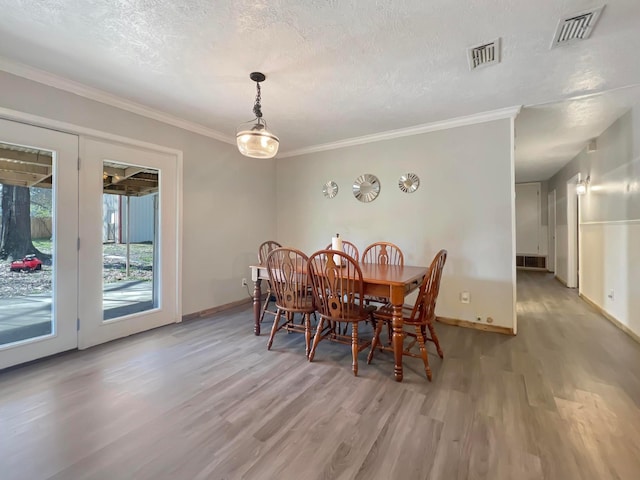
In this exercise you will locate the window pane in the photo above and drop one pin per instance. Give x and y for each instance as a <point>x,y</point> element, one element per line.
<point>26,243</point>
<point>129,233</point>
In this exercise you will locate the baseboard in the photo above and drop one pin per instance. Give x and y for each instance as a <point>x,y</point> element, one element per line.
<point>610,317</point>
<point>563,282</point>
<point>220,308</point>
<point>533,269</point>
<point>476,326</point>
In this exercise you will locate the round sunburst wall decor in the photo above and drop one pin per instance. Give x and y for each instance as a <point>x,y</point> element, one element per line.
<point>366,187</point>
<point>330,189</point>
<point>409,182</point>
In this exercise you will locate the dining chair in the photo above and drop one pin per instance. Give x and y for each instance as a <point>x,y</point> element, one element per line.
<point>419,317</point>
<point>385,253</point>
<point>337,290</point>
<point>289,277</point>
<point>263,252</point>
<point>350,249</point>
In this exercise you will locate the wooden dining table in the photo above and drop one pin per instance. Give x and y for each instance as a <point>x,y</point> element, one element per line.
<point>389,281</point>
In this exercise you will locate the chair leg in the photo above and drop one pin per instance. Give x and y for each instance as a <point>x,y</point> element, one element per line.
<point>354,347</point>
<point>316,339</point>
<point>375,341</point>
<point>434,337</point>
<point>423,351</point>
<point>274,329</point>
<point>307,333</point>
<point>265,305</point>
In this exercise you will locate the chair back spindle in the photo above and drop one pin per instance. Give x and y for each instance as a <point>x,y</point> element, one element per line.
<point>336,288</point>
<point>425,306</point>
<point>288,274</point>
<point>384,253</point>
<point>265,249</point>
<point>350,249</point>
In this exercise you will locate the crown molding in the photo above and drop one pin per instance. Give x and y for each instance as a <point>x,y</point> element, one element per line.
<point>510,112</point>
<point>55,81</point>
<point>61,83</point>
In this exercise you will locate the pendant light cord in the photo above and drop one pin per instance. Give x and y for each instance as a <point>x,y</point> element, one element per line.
<point>257,106</point>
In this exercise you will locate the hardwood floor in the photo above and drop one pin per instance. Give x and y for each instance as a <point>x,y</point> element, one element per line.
<point>206,400</point>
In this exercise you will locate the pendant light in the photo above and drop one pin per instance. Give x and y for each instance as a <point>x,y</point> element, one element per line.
<point>253,138</point>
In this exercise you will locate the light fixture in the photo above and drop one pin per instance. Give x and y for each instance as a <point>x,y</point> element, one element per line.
<point>581,187</point>
<point>253,138</point>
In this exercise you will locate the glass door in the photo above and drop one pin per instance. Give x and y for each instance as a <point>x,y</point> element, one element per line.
<point>128,233</point>
<point>38,242</point>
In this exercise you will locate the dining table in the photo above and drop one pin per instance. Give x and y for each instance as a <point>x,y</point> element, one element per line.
<point>393,282</point>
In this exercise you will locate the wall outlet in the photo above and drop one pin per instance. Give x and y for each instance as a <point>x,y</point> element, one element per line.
<point>465,297</point>
<point>611,294</point>
<point>244,282</point>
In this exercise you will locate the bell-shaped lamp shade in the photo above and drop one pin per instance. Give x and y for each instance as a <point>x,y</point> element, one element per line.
<point>255,141</point>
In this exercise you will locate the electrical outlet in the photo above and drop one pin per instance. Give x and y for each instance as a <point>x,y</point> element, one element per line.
<point>465,297</point>
<point>244,282</point>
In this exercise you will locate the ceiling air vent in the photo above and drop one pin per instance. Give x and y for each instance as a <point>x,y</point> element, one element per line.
<point>484,55</point>
<point>576,27</point>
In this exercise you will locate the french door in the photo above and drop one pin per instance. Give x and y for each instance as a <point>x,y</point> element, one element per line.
<point>129,239</point>
<point>94,225</point>
<point>38,295</point>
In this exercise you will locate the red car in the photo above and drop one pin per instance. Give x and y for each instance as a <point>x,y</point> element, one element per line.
<point>29,264</point>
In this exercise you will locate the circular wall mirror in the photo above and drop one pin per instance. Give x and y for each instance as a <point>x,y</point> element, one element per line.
<point>330,189</point>
<point>409,182</point>
<point>366,187</point>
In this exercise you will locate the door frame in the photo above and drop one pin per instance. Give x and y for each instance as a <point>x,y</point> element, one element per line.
<point>86,132</point>
<point>552,248</point>
<point>573,235</point>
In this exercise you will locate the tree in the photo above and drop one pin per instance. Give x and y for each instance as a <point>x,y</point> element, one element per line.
<point>15,231</point>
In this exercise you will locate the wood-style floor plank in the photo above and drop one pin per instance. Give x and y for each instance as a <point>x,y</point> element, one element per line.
<point>206,400</point>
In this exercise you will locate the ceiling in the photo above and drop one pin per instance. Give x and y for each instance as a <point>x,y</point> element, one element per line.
<point>335,69</point>
<point>549,136</point>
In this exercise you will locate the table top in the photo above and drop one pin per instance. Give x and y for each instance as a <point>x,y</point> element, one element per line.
<point>380,274</point>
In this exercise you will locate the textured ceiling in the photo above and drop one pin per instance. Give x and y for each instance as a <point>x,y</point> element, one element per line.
<point>335,69</point>
<point>549,136</point>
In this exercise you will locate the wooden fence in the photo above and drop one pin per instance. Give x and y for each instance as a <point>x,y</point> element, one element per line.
<point>40,227</point>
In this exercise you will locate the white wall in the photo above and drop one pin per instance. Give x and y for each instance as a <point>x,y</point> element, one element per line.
<point>610,220</point>
<point>228,200</point>
<point>464,204</point>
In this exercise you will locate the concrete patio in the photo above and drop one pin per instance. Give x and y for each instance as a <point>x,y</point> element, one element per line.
<point>30,316</point>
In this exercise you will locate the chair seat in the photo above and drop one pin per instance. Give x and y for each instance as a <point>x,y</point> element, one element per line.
<point>367,311</point>
<point>307,306</point>
<point>386,311</point>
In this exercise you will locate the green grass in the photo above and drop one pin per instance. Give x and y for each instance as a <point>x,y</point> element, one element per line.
<point>43,245</point>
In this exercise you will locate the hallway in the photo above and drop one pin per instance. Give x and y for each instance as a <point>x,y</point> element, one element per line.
<point>584,374</point>
<point>206,400</point>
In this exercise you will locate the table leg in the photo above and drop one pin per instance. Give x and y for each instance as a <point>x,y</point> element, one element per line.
<point>398,341</point>
<point>257,304</point>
